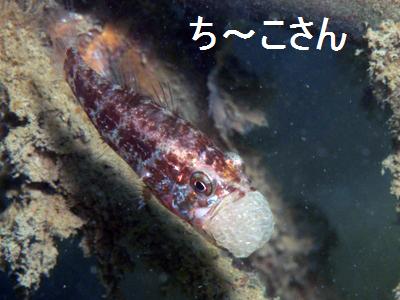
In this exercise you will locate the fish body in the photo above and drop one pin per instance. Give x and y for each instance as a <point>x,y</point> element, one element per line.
<point>181,165</point>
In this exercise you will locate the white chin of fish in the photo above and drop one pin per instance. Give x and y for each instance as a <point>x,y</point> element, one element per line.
<point>241,225</point>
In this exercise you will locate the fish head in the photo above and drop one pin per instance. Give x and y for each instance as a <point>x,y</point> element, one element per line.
<point>226,207</point>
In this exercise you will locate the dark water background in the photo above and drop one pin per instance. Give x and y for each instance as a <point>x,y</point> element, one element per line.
<point>325,145</point>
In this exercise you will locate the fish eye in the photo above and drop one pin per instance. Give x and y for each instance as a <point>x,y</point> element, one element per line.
<point>201,183</point>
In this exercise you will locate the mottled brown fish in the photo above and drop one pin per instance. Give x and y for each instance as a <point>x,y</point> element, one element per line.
<point>182,167</point>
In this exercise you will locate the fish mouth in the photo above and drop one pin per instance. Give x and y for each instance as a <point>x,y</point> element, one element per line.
<point>241,225</point>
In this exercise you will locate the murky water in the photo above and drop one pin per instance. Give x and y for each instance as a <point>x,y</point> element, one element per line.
<point>325,144</point>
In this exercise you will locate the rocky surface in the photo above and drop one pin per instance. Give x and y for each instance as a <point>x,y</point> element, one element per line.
<point>384,43</point>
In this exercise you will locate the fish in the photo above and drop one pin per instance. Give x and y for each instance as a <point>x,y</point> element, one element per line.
<point>181,166</point>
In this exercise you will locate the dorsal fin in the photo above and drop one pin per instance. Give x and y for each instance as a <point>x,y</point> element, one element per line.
<point>110,54</point>
<point>103,51</point>
<point>117,58</point>
<point>163,97</point>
